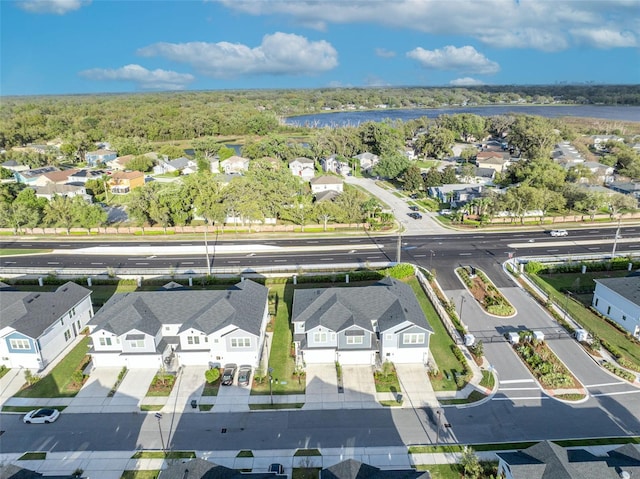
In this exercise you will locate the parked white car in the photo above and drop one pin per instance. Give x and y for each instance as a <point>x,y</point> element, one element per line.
<point>41,416</point>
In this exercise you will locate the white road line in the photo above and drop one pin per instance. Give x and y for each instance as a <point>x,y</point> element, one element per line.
<point>141,263</point>
<point>594,248</point>
<point>604,384</point>
<point>465,254</point>
<point>514,381</point>
<point>515,398</point>
<point>233,262</point>
<point>9,262</point>
<point>518,389</point>
<point>97,263</point>
<point>52,262</point>
<point>419,255</point>
<point>552,250</point>
<point>326,259</point>
<point>373,257</point>
<point>616,393</point>
<point>279,260</point>
<point>187,262</point>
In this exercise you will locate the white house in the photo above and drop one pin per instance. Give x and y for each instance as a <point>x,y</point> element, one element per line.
<point>619,300</point>
<point>367,160</point>
<point>344,324</point>
<point>36,327</point>
<point>69,190</point>
<point>599,141</point>
<point>303,168</point>
<point>235,165</point>
<point>332,164</point>
<point>191,327</point>
<point>326,183</point>
<point>184,165</point>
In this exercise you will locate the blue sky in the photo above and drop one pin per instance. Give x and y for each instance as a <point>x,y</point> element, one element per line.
<point>93,46</point>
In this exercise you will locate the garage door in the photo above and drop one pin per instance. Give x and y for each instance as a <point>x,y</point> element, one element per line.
<point>319,356</point>
<point>408,355</point>
<point>356,357</point>
<point>195,358</point>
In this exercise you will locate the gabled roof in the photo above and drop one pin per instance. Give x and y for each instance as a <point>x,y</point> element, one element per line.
<point>241,305</point>
<point>389,302</point>
<point>37,171</point>
<point>327,195</point>
<point>302,159</point>
<point>366,156</point>
<point>179,163</point>
<point>326,180</point>
<point>352,469</point>
<point>57,189</point>
<point>627,287</point>
<point>91,174</point>
<point>235,159</point>
<point>101,152</point>
<point>63,175</point>
<point>126,175</point>
<point>202,469</point>
<point>31,313</point>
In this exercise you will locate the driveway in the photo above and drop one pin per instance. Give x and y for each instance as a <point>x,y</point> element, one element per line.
<point>232,398</point>
<point>131,390</point>
<point>415,385</point>
<point>322,387</point>
<point>189,385</point>
<point>95,392</point>
<point>359,387</point>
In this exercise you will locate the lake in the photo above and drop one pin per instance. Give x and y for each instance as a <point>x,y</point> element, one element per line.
<point>354,118</point>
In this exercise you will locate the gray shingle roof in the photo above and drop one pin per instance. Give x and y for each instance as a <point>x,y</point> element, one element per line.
<point>202,469</point>
<point>389,301</point>
<point>627,287</point>
<point>31,313</point>
<point>242,305</point>
<point>352,469</point>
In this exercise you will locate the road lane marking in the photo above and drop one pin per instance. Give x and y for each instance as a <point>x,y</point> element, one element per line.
<point>518,389</point>
<point>96,263</point>
<point>615,393</point>
<point>466,254</point>
<point>604,384</point>
<point>515,381</point>
<point>141,263</point>
<point>187,262</point>
<point>594,248</point>
<point>52,262</point>
<point>552,250</point>
<point>515,398</point>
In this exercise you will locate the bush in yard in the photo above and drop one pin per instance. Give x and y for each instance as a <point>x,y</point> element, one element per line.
<point>470,463</point>
<point>534,267</point>
<point>77,377</point>
<point>30,377</point>
<point>212,375</point>
<point>477,349</point>
<point>400,271</point>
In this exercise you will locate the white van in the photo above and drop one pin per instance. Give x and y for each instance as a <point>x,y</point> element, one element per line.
<point>559,233</point>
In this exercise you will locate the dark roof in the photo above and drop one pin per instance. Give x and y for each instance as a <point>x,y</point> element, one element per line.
<point>202,469</point>
<point>31,313</point>
<point>241,305</point>
<point>627,287</point>
<point>546,460</point>
<point>38,171</point>
<point>11,471</point>
<point>352,469</point>
<point>389,301</point>
<point>327,195</point>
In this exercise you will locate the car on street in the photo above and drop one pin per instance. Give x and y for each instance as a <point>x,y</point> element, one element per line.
<point>244,375</point>
<point>41,416</point>
<point>276,468</point>
<point>559,233</point>
<point>415,216</point>
<point>228,374</point>
<point>414,208</point>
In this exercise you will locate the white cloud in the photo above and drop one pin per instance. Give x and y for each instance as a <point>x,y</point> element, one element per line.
<point>384,53</point>
<point>606,38</point>
<point>58,7</point>
<point>279,54</point>
<point>540,24</point>
<point>147,79</point>
<point>465,59</point>
<point>466,81</point>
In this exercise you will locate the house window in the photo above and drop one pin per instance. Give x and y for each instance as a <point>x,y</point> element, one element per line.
<point>240,342</point>
<point>137,343</point>
<point>79,325</point>
<point>414,338</point>
<point>67,335</point>
<point>608,309</point>
<point>193,340</point>
<point>320,337</point>
<point>597,299</point>
<point>355,339</point>
<point>20,344</point>
<point>166,328</point>
<point>105,341</point>
<point>388,337</point>
<point>624,318</point>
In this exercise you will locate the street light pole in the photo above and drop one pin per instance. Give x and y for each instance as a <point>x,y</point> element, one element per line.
<point>438,412</point>
<point>206,248</point>
<point>615,241</point>
<point>271,385</point>
<point>461,304</point>
<point>398,254</point>
<point>158,417</point>
<point>431,260</point>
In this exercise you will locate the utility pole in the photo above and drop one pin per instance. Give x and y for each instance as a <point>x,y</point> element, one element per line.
<point>398,249</point>
<point>439,413</point>
<point>271,385</point>
<point>615,241</point>
<point>206,247</point>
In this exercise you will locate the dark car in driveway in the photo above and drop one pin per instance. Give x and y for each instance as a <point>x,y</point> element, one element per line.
<point>244,375</point>
<point>228,374</point>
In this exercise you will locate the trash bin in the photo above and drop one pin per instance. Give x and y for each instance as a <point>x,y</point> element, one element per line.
<point>194,403</point>
<point>398,398</point>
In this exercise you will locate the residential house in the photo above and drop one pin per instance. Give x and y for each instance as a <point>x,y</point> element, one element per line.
<point>626,188</point>
<point>122,182</point>
<point>82,176</point>
<point>235,165</point>
<point>99,157</point>
<point>29,177</point>
<point>203,469</point>
<point>327,183</point>
<point>199,327</point>
<point>600,141</point>
<point>352,469</point>
<point>360,325</point>
<point>36,327</point>
<point>565,152</point>
<point>332,164</point>
<point>368,160</point>
<point>483,176</point>
<point>14,166</point>
<point>601,173</point>
<point>302,168</point>
<point>49,191</point>
<point>120,163</point>
<point>13,471</point>
<point>547,460</point>
<point>497,160</point>
<point>619,300</point>
<point>184,165</point>
<point>456,194</point>
<point>328,195</point>
<point>59,177</point>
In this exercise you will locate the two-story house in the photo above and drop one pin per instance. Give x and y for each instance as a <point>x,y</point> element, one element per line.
<point>235,165</point>
<point>367,160</point>
<point>184,165</point>
<point>619,300</point>
<point>55,177</point>
<point>302,168</point>
<point>122,182</point>
<point>36,327</point>
<point>360,325</point>
<point>326,183</point>
<point>99,157</point>
<point>332,164</point>
<point>30,177</point>
<point>152,328</point>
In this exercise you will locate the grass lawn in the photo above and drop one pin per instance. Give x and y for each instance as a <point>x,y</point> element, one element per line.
<point>306,472</point>
<point>440,345</point>
<point>55,384</point>
<point>211,389</point>
<point>471,398</point>
<point>140,474</point>
<point>388,383</point>
<point>4,370</point>
<point>161,385</point>
<point>14,252</point>
<point>488,379</point>
<point>589,320</point>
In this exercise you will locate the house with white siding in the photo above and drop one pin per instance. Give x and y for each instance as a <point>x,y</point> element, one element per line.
<point>326,183</point>
<point>302,168</point>
<point>360,325</point>
<point>619,300</point>
<point>177,327</point>
<point>37,327</point>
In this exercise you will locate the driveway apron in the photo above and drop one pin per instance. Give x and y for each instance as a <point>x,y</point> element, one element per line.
<point>322,387</point>
<point>188,387</point>
<point>95,392</point>
<point>131,391</point>
<point>416,386</point>
<point>359,387</point>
